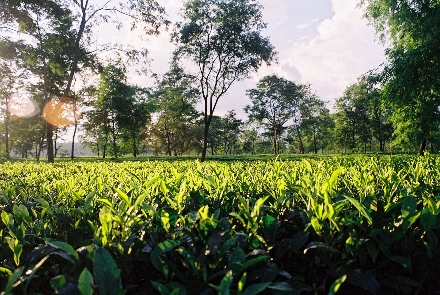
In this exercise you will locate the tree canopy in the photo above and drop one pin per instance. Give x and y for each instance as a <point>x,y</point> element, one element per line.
<point>411,75</point>
<point>223,40</point>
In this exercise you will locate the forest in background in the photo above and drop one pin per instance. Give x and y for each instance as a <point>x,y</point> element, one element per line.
<point>53,77</point>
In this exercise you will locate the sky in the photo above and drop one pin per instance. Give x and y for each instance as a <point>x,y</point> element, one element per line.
<point>325,43</point>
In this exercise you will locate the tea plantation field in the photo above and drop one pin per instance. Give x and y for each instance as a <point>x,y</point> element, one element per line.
<point>345,225</point>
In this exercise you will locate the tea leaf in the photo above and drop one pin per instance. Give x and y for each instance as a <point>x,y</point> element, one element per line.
<point>65,247</point>
<point>85,282</point>
<point>361,208</point>
<point>58,282</point>
<point>336,285</point>
<point>162,248</point>
<point>256,288</point>
<point>225,284</point>
<point>106,273</point>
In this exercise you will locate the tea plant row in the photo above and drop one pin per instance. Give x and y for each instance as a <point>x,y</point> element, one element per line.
<point>350,224</point>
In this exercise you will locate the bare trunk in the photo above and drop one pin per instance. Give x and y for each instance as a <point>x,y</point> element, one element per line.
<point>314,141</point>
<point>49,141</point>
<point>205,136</point>
<point>115,154</point>
<point>301,145</point>
<point>55,149</point>
<point>72,152</point>
<point>40,147</point>
<point>7,129</point>
<point>168,143</point>
<point>275,150</point>
<point>422,147</point>
<point>134,144</point>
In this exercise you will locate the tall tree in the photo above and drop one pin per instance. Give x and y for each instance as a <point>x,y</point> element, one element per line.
<point>133,113</point>
<point>176,97</point>
<point>83,15</point>
<point>316,123</point>
<point>231,132</point>
<point>411,76</point>
<point>274,102</point>
<point>11,81</point>
<point>222,38</point>
<point>352,116</point>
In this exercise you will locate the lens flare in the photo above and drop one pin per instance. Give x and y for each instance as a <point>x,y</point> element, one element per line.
<point>23,107</point>
<point>60,112</point>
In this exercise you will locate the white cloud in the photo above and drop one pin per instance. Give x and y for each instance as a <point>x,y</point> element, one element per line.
<point>275,11</point>
<point>344,49</point>
<point>303,26</point>
<point>307,24</point>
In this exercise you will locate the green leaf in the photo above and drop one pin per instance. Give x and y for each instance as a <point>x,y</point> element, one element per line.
<point>7,219</point>
<point>256,288</point>
<point>252,262</point>
<point>85,282</point>
<point>409,206</point>
<point>58,282</point>
<point>5,271</point>
<point>428,220</point>
<point>236,259</point>
<point>372,249</point>
<point>299,240</point>
<point>316,225</point>
<point>140,199</point>
<point>336,285</point>
<point>89,199</point>
<point>106,273</point>
<point>361,208</point>
<point>365,280</point>
<point>162,289</point>
<point>15,276</point>
<point>334,177</point>
<point>225,284</point>
<point>162,248</point>
<point>281,286</point>
<point>123,196</point>
<point>257,207</point>
<point>65,247</point>
<point>106,202</point>
<point>406,281</point>
<point>320,246</point>
<point>404,261</point>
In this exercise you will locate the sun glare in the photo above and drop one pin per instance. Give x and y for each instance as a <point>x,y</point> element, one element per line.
<point>23,107</point>
<point>59,112</point>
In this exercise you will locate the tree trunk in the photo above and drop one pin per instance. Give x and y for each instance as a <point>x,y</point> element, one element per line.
<point>314,141</point>
<point>40,146</point>
<point>49,141</point>
<point>134,144</point>
<point>422,147</point>
<point>168,143</point>
<point>301,145</point>
<point>55,148</point>
<point>72,152</point>
<point>7,129</point>
<point>275,140</point>
<point>205,136</point>
<point>113,130</point>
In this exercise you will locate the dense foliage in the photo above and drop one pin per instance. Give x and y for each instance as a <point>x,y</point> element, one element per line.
<point>368,225</point>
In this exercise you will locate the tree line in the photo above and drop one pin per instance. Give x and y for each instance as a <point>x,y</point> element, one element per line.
<point>59,67</point>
